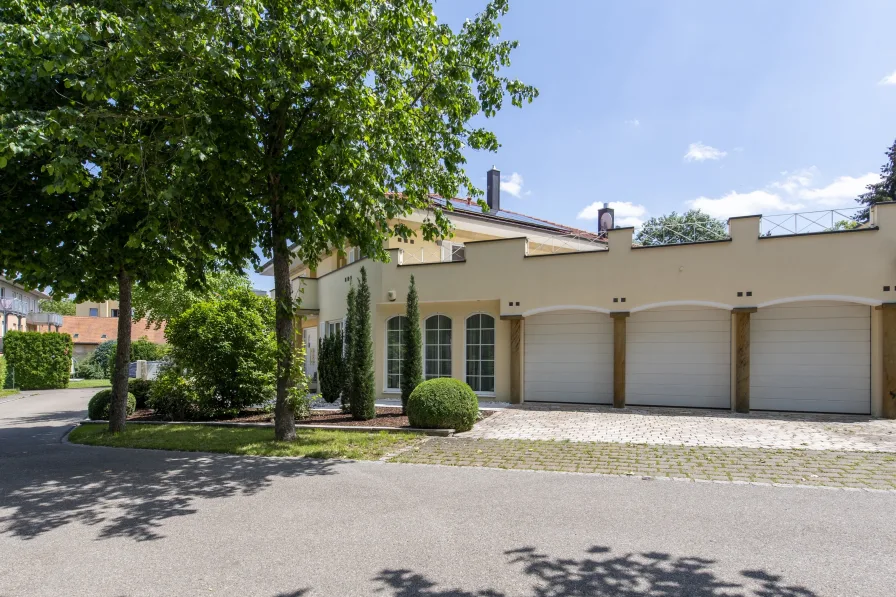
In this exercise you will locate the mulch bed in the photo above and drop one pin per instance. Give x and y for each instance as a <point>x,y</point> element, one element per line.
<point>386,416</point>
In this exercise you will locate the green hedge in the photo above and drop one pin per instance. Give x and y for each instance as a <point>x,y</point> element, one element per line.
<point>443,403</point>
<point>2,371</point>
<point>99,405</point>
<point>39,361</point>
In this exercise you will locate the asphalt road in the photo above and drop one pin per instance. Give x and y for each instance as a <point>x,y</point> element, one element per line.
<point>96,521</point>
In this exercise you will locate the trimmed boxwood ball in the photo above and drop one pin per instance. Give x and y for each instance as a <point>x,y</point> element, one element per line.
<point>443,403</point>
<point>140,388</point>
<point>98,407</point>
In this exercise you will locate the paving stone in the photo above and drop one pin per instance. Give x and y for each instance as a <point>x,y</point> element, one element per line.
<point>689,427</point>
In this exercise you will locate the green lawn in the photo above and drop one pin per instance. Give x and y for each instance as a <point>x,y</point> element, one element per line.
<point>8,392</point>
<point>247,441</point>
<point>90,383</point>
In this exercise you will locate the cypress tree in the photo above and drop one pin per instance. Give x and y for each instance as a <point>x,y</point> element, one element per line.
<point>411,349</point>
<point>348,353</point>
<point>882,191</point>
<point>363,397</point>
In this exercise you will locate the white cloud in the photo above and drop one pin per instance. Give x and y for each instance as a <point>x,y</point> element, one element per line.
<point>796,191</point>
<point>889,79</point>
<point>633,122</point>
<point>698,152</point>
<point>512,184</point>
<point>626,212</point>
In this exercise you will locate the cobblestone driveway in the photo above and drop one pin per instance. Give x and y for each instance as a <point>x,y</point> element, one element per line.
<point>689,427</point>
<point>860,470</point>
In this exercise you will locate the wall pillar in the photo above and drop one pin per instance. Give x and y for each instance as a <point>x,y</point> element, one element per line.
<point>619,358</point>
<point>516,361</point>
<point>20,323</point>
<point>888,353</point>
<point>742,358</point>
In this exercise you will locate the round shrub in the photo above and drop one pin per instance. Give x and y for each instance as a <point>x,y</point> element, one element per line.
<point>175,398</point>
<point>98,407</point>
<point>443,403</point>
<point>140,388</point>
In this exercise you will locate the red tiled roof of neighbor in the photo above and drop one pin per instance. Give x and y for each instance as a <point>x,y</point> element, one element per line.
<point>90,330</point>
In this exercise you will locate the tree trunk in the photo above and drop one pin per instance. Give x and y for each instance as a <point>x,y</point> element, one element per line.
<point>284,412</point>
<point>118,411</point>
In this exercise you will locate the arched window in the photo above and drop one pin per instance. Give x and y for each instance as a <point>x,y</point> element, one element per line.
<point>396,327</point>
<point>437,342</point>
<point>481,352</point>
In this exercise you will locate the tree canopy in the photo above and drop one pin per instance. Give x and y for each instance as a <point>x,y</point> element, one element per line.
<point>885,189</point>
<point>157,302</point>
<point>674,228</point>
<point>61,306</point>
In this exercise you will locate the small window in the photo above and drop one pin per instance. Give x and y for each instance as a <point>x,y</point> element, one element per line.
<point>453,252</point>
<point>76,335</point>
<point>334,327</point>
<point>114,312</point>
<point>103,336</point>
<point>481,352</point>
<point>437,340</point>
<point>396,327</point>
<point>94,312</point>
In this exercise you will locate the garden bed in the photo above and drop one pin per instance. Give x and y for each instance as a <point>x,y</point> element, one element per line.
<point>386,416</point>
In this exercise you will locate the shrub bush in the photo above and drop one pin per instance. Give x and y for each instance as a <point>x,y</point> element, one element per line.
<point>2,371</point>
<point>6,381</point>
<point>330,367</point>
<point>228,346</point>
<point>144,350</point>
<point>40,361</point>
<point>141,389</point>
<point>104,356</point>
<point>87,368</point>
<point>98,407</point>
<point>360,366</point>
<point>174,397</point>
<point>443,403</point>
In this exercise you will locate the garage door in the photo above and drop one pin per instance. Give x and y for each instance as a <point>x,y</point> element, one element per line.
<point>569,357</point>
<point>811,357</point>
<point>679,356</point>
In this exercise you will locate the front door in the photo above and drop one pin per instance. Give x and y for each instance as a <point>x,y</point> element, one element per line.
<point>309,337</point>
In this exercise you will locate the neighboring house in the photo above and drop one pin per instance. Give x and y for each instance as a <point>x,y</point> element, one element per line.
<point>89,332</point>
<point>103,309</point>
<point>20,310</point>
<point>524,310</point>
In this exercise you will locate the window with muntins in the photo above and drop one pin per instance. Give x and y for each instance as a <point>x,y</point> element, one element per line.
<point>334,327</point>
<point>437,342</point>
<point>396,327</point>
<point>481,352</point>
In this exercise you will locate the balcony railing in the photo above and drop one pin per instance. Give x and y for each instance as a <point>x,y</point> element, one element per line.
<point>828,220</point>
<point>14,306</point>
<point>54,319</point>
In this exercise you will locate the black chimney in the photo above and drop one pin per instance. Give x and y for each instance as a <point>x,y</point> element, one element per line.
<point>493,194</point>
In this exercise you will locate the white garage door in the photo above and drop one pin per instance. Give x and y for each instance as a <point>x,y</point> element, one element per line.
<point>679,356</point>
<point>569,357</point>
<point>811,357</point>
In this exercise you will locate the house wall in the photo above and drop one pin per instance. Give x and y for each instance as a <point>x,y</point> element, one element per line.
<point>104,309</point>
<point>502,279</point>
<point>11,323</point>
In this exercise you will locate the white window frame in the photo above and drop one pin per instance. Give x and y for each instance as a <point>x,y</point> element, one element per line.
<point>332,325</point>
<point>492,393</point>
<point>450,251</point>
<point>386,388</point>
<point>450,347</point>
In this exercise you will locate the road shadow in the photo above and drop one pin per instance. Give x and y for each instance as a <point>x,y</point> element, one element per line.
<point>602,574</point>
<point>126,493</point>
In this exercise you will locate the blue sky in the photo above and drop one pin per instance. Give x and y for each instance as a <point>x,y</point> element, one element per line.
<point>734,107</point>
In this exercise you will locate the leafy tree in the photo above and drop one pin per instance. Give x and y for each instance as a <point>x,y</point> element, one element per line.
<point>162,301</point>
<point>61,306</point>
<point>411,349</point>
<point>689,227</point>
<point>882,191</point>
<point>228,348</point>
<point>328,120</point>
<point>97,129</point>
<point>363,399</point>
<point>104,355</point>
<point>349,335</point>
<point>144,350</point>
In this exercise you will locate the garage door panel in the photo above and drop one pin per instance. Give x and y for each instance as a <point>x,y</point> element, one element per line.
<point>569,358</point>
<point>816,310</point>
<point>815,323</point>
<point>679,327</point>
<point>833,335</point>
<point>721,337</point>
<point>811,357</point>
<point>679,357</point>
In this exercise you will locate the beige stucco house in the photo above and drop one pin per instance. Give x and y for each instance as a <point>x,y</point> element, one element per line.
<point>526,310</point>
<point>20,310</point>
<point>97,309</point>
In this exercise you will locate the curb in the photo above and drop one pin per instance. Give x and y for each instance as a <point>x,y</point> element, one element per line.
<point>356,428</point>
